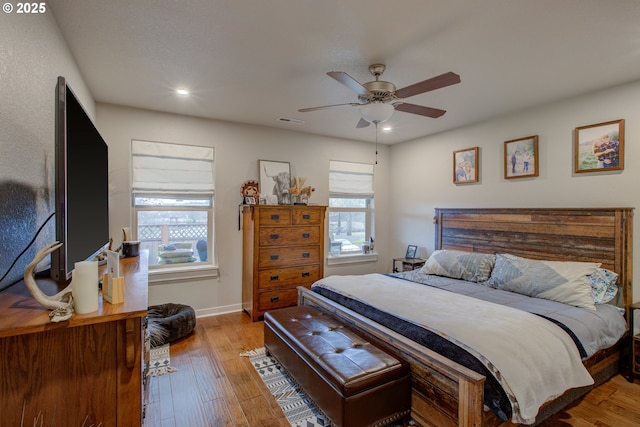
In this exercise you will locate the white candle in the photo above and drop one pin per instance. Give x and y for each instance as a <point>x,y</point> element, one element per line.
<point>84,287</point>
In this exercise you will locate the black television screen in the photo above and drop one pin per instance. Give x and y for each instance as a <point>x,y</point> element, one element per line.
<point>82,186</point>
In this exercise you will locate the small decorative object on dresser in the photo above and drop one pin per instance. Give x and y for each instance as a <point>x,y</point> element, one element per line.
<point>299,193</point>
<point>250,191</point>
<point>275,180</point>
<point>282,248</point>
<point>62,302</point>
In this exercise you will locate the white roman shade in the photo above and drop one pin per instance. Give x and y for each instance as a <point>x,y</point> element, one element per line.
<point>159,167</point>
<point>350,179</point>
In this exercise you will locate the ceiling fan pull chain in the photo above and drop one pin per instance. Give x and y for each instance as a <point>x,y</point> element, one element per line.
<point>376,123</point>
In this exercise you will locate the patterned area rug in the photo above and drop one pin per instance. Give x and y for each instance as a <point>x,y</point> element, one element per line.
<point>160,361</point>
<point>297,407</point>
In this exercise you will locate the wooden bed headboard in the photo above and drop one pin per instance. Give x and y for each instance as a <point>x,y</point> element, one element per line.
<point>602,235</point>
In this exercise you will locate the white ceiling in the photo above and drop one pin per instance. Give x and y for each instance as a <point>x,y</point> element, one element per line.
<point>254,61</point>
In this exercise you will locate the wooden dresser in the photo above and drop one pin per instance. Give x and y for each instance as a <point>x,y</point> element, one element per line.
<point>88,367</point>
<point>283,247</point>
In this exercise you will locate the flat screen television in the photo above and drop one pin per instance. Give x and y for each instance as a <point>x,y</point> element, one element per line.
<point>81,187</point>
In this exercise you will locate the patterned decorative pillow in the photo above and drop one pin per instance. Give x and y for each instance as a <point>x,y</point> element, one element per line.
<point>603,285</point>
<point>471,266</point>
<point>562,281</point>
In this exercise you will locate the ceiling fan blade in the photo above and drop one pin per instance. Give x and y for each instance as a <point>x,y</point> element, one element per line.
<point>351,104</point>
<point>419,109</point>
<point>443,80</point>
<point>362,123</point>
<point>349,82</point>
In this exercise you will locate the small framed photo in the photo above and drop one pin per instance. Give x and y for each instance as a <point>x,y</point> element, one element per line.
<point>521,157</point>
<point>275,180</point>
<point>411,252</point>
<point>465,166</point>
<point>599,147</point>
<point>249,200</point>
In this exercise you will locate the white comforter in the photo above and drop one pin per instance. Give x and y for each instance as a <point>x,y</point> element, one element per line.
<point>502,338</point>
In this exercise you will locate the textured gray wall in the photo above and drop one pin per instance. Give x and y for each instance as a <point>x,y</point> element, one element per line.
<point>33,54</point>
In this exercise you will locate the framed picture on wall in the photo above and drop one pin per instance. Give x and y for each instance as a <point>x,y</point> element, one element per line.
<point>275,180</point>
<point>599,147</point>
<point>465,166</point>
<point>521,157</point>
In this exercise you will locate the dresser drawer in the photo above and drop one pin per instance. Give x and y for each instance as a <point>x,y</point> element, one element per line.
<point>287,236</point>
<point>288,256</point>
<point>271,300</point>
<point>275,216</point>
<point>292,276</point>
<point>302,216</point>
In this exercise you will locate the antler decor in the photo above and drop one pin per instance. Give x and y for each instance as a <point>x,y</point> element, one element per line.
<point>62,302</point>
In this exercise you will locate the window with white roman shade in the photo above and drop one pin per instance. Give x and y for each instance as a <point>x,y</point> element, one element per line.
<point>160,167</point>
<point>173,197</point>
<point>351,214</point>
<point>350,179</point>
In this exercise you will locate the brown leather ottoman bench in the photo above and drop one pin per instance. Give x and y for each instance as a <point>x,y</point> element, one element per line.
<point>352,381</point>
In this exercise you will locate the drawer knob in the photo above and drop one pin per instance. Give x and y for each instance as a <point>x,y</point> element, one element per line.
<point>305,274</point>
<point>275,236</point>
<point>274,299</point>
<point>306,216</point>
<point>306,235</point>
<point>274,277</point>
<point>274,257</point>
<point>275,216</point>
<point>306,254</point>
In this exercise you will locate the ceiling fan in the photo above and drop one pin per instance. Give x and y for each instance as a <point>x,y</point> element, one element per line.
<point>378,99</point>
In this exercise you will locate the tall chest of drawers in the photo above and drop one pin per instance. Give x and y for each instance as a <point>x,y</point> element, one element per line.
<point>282,248</point>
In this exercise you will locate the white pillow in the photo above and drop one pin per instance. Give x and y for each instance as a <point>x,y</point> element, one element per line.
<point>471,266</point>
<point>562,281</point>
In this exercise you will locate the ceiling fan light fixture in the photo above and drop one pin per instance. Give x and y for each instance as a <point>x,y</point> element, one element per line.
<point>376,112</point>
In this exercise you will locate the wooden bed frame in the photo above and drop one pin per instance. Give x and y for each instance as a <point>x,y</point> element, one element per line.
<point>445,393</point>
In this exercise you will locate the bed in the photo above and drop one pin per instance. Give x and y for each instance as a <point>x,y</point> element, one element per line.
<point>446,393</point>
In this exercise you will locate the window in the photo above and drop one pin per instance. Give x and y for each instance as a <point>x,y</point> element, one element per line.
<point>351,213</point>
<point>173,203</point>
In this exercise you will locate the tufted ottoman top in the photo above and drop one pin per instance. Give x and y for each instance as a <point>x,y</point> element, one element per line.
<point>351,363</point>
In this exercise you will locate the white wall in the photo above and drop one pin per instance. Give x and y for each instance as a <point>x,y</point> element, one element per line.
<point>32,56</point>
<point>427,164</point>
<point>411,179</point>
<point>238,148</point>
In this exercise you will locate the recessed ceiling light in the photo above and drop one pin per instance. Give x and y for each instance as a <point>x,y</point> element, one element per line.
<point>182,92</point>
<point>386,128</point>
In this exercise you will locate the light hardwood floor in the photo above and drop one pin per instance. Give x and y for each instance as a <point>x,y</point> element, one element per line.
<point>214,387</point>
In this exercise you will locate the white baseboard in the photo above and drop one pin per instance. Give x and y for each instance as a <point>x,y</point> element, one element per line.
<point>214,311</point>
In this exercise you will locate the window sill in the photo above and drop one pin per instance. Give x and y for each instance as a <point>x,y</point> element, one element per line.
<point>352,258</point>
<point>165,276</point>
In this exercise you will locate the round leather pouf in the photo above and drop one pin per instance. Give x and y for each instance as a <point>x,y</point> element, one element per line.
<point>177,320</point>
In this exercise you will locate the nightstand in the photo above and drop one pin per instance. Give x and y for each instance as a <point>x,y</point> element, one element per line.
<point>407,264</point>
<point>635,362</point>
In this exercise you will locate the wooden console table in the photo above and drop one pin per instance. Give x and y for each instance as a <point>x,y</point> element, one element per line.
<point>84,371</point>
